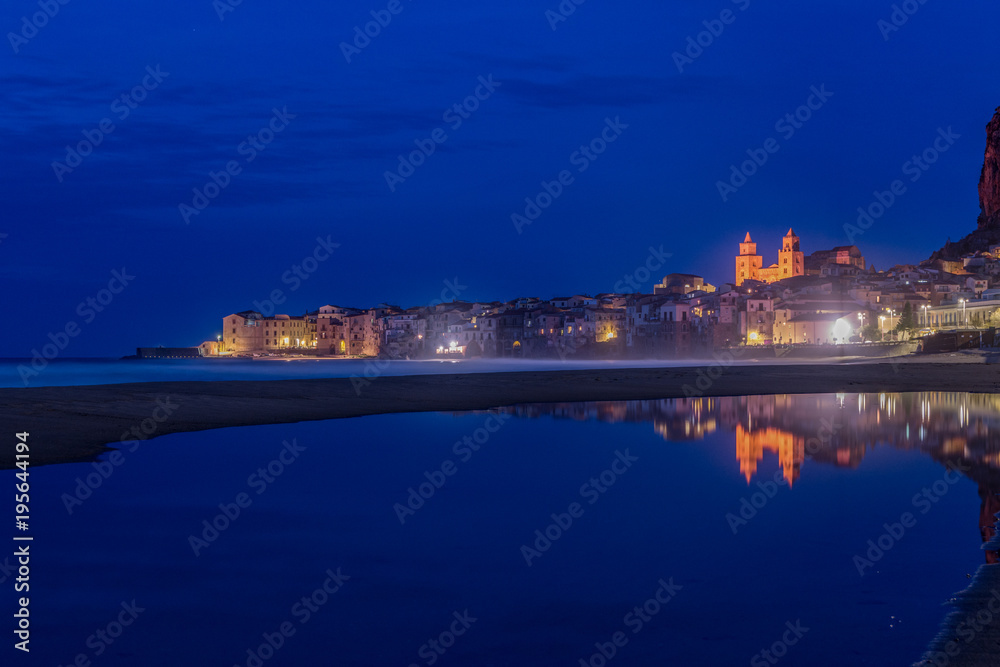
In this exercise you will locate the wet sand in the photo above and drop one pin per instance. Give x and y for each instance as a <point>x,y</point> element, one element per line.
<point>79,423</point>
<point>970,634</point>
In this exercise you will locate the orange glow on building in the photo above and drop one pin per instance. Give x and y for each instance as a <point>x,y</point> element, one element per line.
<point>791,261</point>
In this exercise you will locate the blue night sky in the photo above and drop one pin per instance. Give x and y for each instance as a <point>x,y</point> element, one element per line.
<point>323,174</point>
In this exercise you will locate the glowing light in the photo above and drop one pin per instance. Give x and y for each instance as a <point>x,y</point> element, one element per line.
<point>841,329</point>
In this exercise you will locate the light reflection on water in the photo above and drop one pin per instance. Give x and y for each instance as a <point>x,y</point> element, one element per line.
<point>847,465</point>
<point>957,429</point>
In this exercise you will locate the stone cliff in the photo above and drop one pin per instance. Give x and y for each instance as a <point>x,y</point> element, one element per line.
<point>989,179</point>
<point>988,230</point>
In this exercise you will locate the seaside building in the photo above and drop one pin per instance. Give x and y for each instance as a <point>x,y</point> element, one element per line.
<point>405,334</point>
<point>657,326</point>
<point>356,328</point>
<point>442,317</point>
<point>284,332</point>
<point>331,336</point>
<point>503,333</point>
<point>332,330</point>
<point>603,324</point>
<point>242,332</point>
<point>757,322</point>
<point>249,332</point>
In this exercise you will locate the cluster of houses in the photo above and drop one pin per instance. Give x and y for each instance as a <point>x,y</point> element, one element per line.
<point>827,298</point>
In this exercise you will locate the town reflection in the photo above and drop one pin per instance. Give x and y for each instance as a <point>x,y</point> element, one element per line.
<point>825,429</point>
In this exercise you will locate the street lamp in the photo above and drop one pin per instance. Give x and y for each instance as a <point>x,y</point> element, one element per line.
<point>881,326</point>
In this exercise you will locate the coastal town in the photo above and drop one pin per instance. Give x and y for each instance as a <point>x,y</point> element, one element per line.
<point>817,303</point>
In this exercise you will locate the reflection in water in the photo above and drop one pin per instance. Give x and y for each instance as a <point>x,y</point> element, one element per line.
<point>827,429</point>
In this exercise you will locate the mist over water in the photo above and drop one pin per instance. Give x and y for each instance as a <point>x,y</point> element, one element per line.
<point>71,372</point>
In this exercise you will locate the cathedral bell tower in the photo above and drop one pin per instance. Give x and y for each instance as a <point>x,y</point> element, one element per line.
<point>791,260</point>
<point>748,262</point>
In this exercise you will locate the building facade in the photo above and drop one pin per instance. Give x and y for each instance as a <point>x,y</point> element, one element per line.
<point>750,265</point>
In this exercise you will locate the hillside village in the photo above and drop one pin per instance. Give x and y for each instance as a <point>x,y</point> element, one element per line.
<point>799,304</point>
<point>829,297</point>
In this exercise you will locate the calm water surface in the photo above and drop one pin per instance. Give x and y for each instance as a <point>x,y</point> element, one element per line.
<point>744,516</point>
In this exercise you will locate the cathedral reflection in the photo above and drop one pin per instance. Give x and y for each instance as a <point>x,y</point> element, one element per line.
<point>825,429</point>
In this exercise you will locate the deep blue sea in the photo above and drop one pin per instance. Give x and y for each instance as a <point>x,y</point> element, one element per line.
<point>682,532</point>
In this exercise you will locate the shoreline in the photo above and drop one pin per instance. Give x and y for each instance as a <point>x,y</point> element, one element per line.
<point>78,423</point>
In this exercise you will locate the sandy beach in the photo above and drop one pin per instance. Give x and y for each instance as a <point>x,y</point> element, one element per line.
<point>79,423</point>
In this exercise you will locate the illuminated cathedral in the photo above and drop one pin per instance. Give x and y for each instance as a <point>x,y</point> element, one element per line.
<point>749,265</point>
